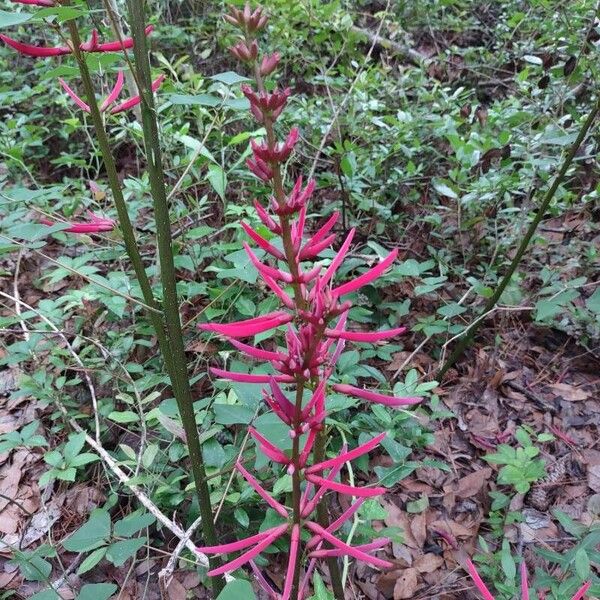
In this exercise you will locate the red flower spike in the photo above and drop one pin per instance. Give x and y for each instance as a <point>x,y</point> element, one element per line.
<point>286,406</point>
<point>347,456</point>
<point>263,269</point>
<point>135,100</point>
<point>260,168</point>
<point>276,506</point>
<point>285,299</point>
<point>323,231</point>
<point>376,397</point>
<point>267,221</point>
<point>367,277</point>
<point>364,336</point>
<point>119,45</point>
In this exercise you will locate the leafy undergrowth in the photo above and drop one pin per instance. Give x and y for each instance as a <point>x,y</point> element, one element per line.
<point>448,133</point>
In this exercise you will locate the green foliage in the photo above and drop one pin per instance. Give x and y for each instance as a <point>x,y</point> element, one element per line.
<point>520,467</point>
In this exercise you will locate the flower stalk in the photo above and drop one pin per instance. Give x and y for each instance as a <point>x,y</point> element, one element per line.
<point>315,316</point>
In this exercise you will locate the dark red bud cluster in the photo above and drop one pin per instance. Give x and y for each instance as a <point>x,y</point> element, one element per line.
<point>266,103</point>
<point>247,20</point>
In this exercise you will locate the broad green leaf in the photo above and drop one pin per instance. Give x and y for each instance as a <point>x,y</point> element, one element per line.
<point>229,78</point>
<point>232,414</point>
<point>92,534</point>
<point>198,100</point>
<point>238,589</point>
<point>217,179</point>
<point>124,416</point>
<point>582,564</point>
<point>91,560</point>
<point>133,523</point>
<point>96,591</point>
<point>46,595</point>
<point>120,552</point>
<point>9,19</point>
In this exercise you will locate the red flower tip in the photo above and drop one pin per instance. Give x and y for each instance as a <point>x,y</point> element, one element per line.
<point>376,397</point>
<point>269,64</point>
<point>96,224</point>
<point>135,100</point>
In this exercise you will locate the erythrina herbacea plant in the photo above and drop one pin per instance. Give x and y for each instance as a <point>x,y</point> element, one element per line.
<point>314,311</point>
<point>487,595</point>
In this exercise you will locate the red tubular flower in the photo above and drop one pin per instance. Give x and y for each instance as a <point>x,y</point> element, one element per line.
<point>135,100</point>
<point>249,326</point>
<point>96,224</point>
<point>279,508</point>
<point>367,277</point>
<point>262,243</point>
<point>365,336</point>
<point>91,46</point>
<point>370,396</point>
<point>35,2</point>
<point>35,51</point>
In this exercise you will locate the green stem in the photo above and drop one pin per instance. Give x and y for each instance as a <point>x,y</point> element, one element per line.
<point>129,238</point>
<point>466,340</point>
<point>180,380</point>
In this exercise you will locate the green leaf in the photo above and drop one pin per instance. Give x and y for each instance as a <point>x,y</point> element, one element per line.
<point>241,516</point>
<point>133,523</point>
<point>97,591</point>
<point>321,592</point>
<point>507,561</point>
<point>593,302</point>
<point>124,416</point>
<point>238,589</point>
<point>91,560</point>
<point>229,78</point>
<point>197,100</point>
<point>582,564</point>
<point>83,459</point>
<point>443,188</point>
<point>217,179</point>
<point>8,19</point>
<point>232,414</point>
<point>46,595</point>
<point>73,447</point>
<point>120,552</point>
<point>92,534</point>
<point>417,506</point>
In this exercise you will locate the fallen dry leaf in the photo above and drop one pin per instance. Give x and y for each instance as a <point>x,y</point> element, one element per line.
<point>428,563</point>
<point>406,584</point>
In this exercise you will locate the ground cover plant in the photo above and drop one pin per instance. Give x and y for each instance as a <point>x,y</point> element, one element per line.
<point>299,302</point>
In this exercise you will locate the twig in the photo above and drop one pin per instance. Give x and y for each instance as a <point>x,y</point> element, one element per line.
<point>164,576</point>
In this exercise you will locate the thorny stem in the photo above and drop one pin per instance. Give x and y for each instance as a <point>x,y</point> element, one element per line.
<point>491,303</point>
<point>301,303</point>
<point>179,378</point>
